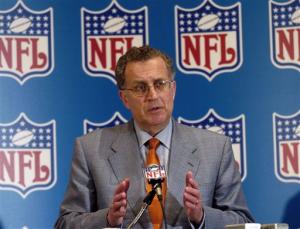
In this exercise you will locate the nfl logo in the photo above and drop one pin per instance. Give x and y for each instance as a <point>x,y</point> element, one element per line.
<point>285,36</point>
<point>116,119</point>
<point>208,39</point>
<point>26,41</point>
<point>286,130</point>
<point>233,128</point>
<point>108,34</point>
<point>27,156</point>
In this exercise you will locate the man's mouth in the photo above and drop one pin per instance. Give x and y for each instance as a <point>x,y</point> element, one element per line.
<point>153,109</point>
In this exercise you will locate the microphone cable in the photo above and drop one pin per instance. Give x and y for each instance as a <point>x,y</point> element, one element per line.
<point>146,202</point>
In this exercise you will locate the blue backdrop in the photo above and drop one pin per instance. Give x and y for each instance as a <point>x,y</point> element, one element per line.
<point>237,65</point>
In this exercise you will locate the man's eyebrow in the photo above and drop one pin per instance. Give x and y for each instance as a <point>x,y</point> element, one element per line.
<point>137,81</point>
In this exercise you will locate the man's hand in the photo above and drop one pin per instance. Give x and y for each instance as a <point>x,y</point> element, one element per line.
<point>192,199</point>
<point>117,210</point>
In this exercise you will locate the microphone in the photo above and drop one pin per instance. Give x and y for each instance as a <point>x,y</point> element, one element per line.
<point>155,175</point>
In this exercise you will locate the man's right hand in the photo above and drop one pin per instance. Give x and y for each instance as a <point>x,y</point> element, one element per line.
<point>117,210</point>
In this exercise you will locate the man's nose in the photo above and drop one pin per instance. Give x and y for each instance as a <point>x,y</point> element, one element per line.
<point>152,92</point>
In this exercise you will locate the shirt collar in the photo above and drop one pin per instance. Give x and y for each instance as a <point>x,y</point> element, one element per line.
<point>163,136</point>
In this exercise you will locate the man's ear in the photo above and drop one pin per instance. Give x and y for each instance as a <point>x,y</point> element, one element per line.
<point>123,97</point>
<point>174,89</point>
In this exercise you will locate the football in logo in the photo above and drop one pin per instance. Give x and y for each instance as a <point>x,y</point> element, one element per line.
<point>208,21</point>
<point>296,17</point>
<point>216,129</point>
<point>297,131</point>
<point>22,138</point>
<point>114,25</point>
<point>20,25</point>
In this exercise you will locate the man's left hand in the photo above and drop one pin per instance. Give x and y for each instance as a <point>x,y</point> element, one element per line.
<point>192,199</point>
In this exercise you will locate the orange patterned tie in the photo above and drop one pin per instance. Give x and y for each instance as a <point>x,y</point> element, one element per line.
<point>154,209</point>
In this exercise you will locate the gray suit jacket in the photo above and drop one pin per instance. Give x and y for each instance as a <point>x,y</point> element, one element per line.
<point>105,157</point>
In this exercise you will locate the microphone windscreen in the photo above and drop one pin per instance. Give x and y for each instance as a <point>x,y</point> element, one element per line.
<point>155,172</point>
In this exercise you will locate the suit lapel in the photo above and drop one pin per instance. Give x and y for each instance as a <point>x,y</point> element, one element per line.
<point>182,159</point>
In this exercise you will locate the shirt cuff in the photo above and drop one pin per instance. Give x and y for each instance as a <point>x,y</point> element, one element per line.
<point>198,225</point>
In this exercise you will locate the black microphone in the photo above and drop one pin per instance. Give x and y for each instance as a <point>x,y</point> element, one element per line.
<point>156,185</point>
<point>155,175</point>
<point>148,199</point>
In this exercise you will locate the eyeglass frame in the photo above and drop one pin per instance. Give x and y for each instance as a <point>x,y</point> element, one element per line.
<point>134,90</point>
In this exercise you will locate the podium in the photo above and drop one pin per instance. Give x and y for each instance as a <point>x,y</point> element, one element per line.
<point>244,226</point>
<point>258,226</point>
<point>275,226</point>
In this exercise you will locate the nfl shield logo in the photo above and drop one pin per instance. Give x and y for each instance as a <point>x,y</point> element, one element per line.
<point>233,128</point>
<point>115,120</point>
<point>27,156</point>
<point>26,43</point>
<point>108,34</point>
<point>208,39</point>
<point>285,35</point>
<point>286,130</point>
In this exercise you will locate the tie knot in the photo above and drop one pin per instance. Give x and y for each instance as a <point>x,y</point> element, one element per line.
<point>153,143</point>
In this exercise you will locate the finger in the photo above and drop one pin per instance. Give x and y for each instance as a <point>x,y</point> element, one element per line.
<point>122,186</point>
<point>119,197</point>
<point>192,191</point>
<point>126,184</point>
<point>193,188</point>
<point>191,206</point>
<point>193,183</point>
<point>191,198</point>
<point>188,176</point>
<point>190,181</point>
<point>121,190</point>
<point>191,194</point>
<point>120,213</point>
<point>116,206</point>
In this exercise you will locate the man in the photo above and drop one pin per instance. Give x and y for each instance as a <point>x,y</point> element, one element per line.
<point>107,186</point>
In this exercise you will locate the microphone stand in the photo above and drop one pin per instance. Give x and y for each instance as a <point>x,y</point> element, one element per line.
<point>146,202</point>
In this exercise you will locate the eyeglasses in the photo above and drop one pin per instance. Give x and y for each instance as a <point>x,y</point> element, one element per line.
<point>141,89</point>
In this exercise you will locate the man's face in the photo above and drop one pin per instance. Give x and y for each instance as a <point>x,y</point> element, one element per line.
<point>153,110</point>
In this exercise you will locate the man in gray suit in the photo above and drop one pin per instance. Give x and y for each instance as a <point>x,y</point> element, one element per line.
<point>107,186</point>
